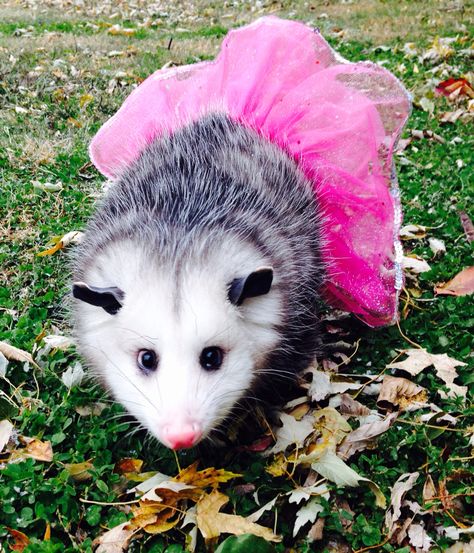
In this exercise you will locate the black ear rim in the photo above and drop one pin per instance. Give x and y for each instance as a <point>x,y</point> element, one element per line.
<point>109,298</point>
<point>255,284</point>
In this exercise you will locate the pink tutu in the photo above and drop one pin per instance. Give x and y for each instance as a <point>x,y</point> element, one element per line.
<point>340,122</point>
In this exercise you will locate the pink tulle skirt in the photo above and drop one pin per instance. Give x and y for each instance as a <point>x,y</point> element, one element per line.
<point>340,122</point>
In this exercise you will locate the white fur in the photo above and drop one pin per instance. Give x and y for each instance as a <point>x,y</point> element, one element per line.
<point>177,314</point>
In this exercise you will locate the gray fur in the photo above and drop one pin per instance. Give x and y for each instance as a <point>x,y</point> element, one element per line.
<point>214,179</point>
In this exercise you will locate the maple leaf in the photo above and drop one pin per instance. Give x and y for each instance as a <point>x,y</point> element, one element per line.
<point>212,523</point>
<point>35,449</point>
<point>307,513</point>
<point>21,540</point>
<point>115,540</point>
<point>419,359</point>
<point>204,478</point>
<point>292,432</point>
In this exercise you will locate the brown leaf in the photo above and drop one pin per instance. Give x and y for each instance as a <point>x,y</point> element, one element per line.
<point>419,359</point>
<point>115,540</point>
<point>467,226</point>
<point>15,354</point>
<point>397,393</point>
<point>359,439</point>
<point>400,488</point>
<point>128,465</point>
<point>212,523</point>
<point>429,489</point>
<point>35,449</point>
<point>461,285</point>
<point>316,531</point>
<point>204,478</point>
<point>350,406</point>
<point>21,540</point>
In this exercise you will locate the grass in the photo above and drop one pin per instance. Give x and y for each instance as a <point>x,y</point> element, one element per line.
<point>59,81</point>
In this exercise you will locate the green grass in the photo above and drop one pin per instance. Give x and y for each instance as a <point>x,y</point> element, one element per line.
<point>49,144</point>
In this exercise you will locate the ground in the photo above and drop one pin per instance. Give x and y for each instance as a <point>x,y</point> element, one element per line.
<point>65,67</point>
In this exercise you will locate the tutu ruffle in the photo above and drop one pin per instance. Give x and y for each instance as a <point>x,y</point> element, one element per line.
<point>340,122</point>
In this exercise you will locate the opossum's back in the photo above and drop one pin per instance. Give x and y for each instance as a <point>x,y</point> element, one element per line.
<point>214,176</point>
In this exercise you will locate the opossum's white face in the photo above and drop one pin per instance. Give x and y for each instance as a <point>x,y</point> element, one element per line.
<point>178,350</point>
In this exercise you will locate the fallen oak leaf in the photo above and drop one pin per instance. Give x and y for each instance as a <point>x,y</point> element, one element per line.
<point>212,523</point>
<point>419,359</point>
<point>398,393</point>
<point>461,285</point>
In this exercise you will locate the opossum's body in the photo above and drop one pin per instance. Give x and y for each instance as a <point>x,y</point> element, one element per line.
<point>198,212</point>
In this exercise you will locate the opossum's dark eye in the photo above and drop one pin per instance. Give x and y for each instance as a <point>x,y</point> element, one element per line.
<point>211,358</point>
<point>147,360</point>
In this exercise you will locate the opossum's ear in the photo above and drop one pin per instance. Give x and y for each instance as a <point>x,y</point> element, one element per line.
<point>255,284</point>
<point>108,298</point>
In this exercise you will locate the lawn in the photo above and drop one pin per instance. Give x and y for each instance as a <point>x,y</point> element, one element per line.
<point>72,455</point>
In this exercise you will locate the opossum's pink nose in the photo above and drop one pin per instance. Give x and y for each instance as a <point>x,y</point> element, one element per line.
<point>178,436</point>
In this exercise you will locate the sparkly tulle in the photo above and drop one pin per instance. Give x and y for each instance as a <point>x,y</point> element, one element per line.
<point>338,120</point>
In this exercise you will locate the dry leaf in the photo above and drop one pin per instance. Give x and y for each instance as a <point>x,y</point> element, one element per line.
<point>467,226</point>
<point>212,523</point>
<point>35,449</point>
<point>419,359</point>
<point>455,87</point>
<point>412,232</point>
<point>350,406</point>
<point>429,489</point>
<point>316,532</point>
<point>415,264</point>
<point>298,494</point>
<point>307,513</point>
<point>400,488</point>
<point>115,540</point>
<point>73,375</point>
<point>204,478</point>
<point>461,285</point>
<point>6,428</point>
<point>80,471</point>
<point>436,246</point>
<point>72,237</point>
<point>397,393</point>
<point>14,354</point>
<point>359,439</point>
<point>21,540</point>
<point>419,538</point>
<point>461,547</point>
<point>255,516</point>
<point>320,386</point>
<point>127,465</point>
<point>292,432</point>
<point>333,468</point>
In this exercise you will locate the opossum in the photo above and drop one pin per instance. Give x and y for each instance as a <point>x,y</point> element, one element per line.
<point>199,278</point>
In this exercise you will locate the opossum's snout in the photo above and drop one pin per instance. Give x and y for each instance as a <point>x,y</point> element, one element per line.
<point>179,434</point>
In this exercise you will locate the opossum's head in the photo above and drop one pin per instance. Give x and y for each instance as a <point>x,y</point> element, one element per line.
<point>180,343</point>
